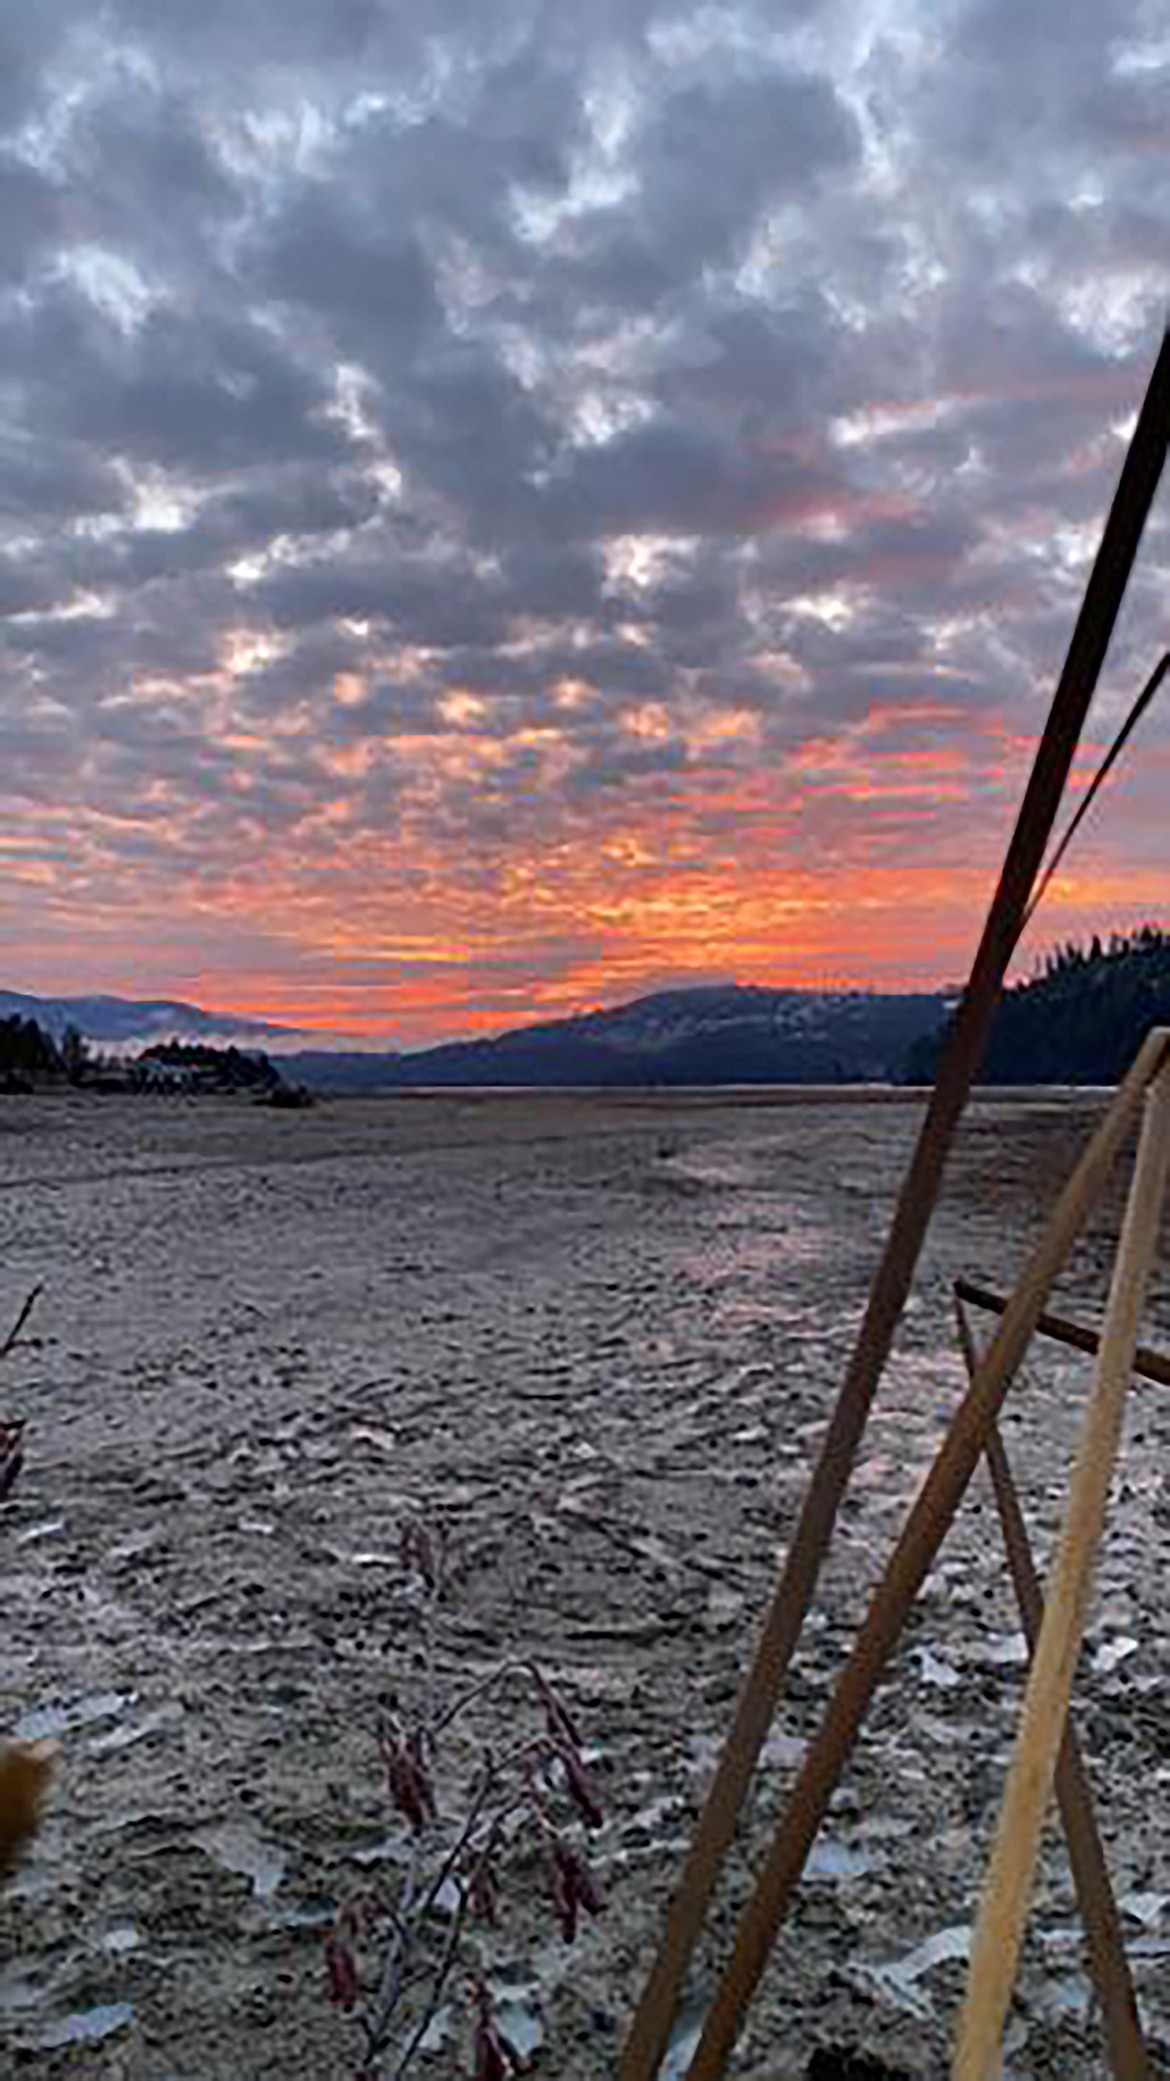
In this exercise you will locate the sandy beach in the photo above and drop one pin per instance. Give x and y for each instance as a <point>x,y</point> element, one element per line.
<point>599,1339</point>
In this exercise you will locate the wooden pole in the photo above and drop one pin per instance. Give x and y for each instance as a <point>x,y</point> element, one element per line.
<point>922,1535</point>
<point>756,1705</point>
<point>999,1931</point>
<point>1110,1967</point>
<point>1151,1365</point>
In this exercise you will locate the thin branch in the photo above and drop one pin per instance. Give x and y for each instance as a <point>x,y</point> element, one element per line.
<point>1099,778</point>
<point>13,1338</point>
<point>394,1971</point>
<point>481,1689</point>
<point>442,1975</point>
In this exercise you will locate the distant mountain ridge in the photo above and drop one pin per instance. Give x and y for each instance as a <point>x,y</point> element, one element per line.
<point>127,1021</point>
<point>729,1033</point>
<point>716,1034</point>
<point>1079,1021</point>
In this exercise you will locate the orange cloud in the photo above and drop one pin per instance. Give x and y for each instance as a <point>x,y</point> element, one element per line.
<point>863,854</point>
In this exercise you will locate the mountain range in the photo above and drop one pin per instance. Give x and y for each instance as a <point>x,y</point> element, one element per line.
<point>721,1034</point>
<point>1079,1019</point>
<point>126,1022</point>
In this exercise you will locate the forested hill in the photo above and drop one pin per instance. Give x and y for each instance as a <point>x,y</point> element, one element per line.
<point>722,1034</point>
<point>1081,1021</point>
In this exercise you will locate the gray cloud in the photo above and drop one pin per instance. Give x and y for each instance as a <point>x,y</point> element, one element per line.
<point>671,478</point>
<point>29,209</point>
<point>369,280</point>
<point>714,155</point>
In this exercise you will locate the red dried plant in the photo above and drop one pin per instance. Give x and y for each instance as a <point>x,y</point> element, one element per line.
<point>383,1959</point>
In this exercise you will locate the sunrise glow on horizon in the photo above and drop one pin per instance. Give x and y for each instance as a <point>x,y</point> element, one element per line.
<point>504,510</point>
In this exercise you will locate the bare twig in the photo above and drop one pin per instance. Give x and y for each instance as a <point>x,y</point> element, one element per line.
<point>12,1432</point>
<point>377,2028</point>
<point>13,1338</point>
<point>442,1975</point>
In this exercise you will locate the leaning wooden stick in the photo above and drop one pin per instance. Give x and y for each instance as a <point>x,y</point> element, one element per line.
<point>1110,1968</point>
<point>999,1931</point>
<point>756,1705</point>
<point>922,1535</point>
<point>1150,1365</point>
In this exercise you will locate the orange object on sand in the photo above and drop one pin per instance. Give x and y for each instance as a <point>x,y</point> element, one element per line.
<point>25,1770</point>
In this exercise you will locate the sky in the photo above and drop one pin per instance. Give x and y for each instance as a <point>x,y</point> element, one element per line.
<point>505,504</point>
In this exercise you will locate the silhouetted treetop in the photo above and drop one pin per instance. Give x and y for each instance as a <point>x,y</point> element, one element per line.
<point>1080,1020</point>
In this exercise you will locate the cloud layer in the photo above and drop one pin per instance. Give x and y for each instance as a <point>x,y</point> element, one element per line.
<point>501,506</point>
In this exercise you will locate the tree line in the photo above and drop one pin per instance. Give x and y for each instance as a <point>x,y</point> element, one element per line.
<point>29,1055</point>
<point>32,1059</point>
<point>1079,1020</point>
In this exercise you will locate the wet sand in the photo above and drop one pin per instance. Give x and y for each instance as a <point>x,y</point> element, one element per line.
<point>600,1337</point>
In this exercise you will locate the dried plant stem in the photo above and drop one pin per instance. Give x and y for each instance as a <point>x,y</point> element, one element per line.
<point>482,1689</point>
<point>13,1338</point>
<point>377,2027</point>
<point>442,1975</point>
<point>462,1818</point>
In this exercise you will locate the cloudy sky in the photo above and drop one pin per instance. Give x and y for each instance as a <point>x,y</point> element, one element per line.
<point>504,503</point>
